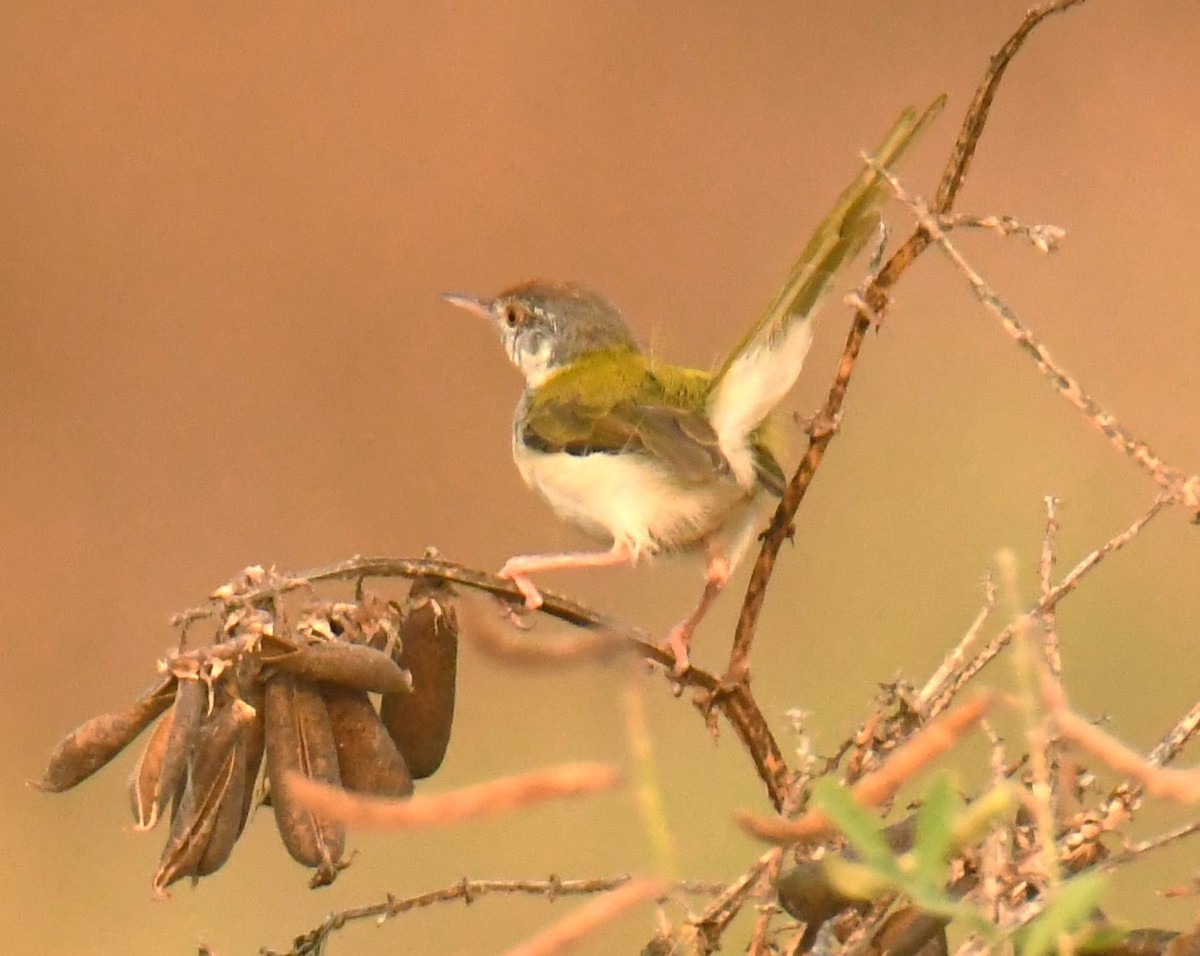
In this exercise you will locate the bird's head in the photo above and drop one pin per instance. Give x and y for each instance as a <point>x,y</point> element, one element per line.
<point>546,326</point>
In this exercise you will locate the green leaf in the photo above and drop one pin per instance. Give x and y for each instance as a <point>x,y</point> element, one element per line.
<point>859,881</point>
<point>1074,905</point>
<point>935,831</point>
<point>861,827</point>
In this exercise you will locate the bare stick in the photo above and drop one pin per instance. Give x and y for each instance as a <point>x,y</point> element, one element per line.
<point>1179,485</point>
<point>1045,569</point>
<point>1043,236</point>
<point>1047,602</point>
<point>467,891</point>
<point>956,657</point>
<point>873,305</point>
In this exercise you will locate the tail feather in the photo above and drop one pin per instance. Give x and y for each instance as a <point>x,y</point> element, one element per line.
<point>753,384</point>
<point>761,370</point>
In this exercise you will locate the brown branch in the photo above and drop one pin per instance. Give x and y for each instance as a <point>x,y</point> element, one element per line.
<point>736,703</point>
<point>981,105</point>
<point>728,904</point>
<point>872,307</point>
<point>313,942</point>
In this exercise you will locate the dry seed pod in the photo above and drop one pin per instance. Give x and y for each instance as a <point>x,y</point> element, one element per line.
<point>253,742</point>
<point>299,737</point>
<point>145,798</point>
<point>230,816</point>
<point>191,700</point>
<point>368,760</point>
<point>419,722</point>
<point>94,743</point>
<point>350,665</point>
<point>206,824</point>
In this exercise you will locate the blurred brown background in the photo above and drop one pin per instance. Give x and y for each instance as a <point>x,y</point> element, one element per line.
<point>226,228</point>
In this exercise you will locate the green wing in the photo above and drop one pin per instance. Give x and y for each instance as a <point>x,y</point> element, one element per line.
<point>837,240</point>
<point>645,414</point>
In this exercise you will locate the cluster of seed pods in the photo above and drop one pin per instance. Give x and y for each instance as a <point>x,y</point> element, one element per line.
<point>232,717</point>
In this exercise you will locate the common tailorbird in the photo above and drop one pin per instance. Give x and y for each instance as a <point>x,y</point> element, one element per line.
<point>657,457</point>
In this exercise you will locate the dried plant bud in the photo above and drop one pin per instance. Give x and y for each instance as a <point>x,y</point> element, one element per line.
<point>207,821</point>
<point>420,721</point>
<point>350,665</point>
<point>299,738</point>
<point>145,799</point>
<point>368,760</point>
<point>93,744</point>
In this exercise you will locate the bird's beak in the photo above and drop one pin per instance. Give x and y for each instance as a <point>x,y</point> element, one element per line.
<point>481,307</point>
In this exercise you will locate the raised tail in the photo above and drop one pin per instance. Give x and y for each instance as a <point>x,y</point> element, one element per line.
<point>764,366</point>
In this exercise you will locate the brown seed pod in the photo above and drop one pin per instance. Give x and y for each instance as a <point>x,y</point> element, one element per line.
<point>94,743</point>
<point>145,799</point>
<point>206,823</point>
<point>230,815</point>
<point>253,741</point>
<point>299,737</point>
<point>191,701</point>
<point>338,662</point>
<point>419,722</point>
<point>368,760</point>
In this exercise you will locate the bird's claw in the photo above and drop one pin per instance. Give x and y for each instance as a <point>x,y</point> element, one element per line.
<point>677,646</point>
<point>533,597</point>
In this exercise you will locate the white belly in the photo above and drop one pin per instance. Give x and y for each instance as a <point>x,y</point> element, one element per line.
<point>630,498</point>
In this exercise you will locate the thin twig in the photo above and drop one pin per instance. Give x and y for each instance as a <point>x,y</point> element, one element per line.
<point>1043,236</point>
<point>1047,602</point>
<point>873,305</point>
<point>1045,570</point>
<point>1177,483</point>
<point>1125,797</point>
<point>728,904</point>
<point>312,943</point>
<point>1142,847</point>
<point>968,140</point>
<point>955,658</point>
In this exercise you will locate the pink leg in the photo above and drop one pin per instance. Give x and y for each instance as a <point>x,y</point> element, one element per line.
<point>518,568</point>
<point>716,575</point>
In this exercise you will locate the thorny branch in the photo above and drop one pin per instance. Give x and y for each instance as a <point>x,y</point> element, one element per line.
<point>468,891</point>
<point>1179,485</point>
<point>873,304</point>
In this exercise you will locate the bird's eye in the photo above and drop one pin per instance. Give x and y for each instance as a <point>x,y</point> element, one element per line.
<point>511,316</point>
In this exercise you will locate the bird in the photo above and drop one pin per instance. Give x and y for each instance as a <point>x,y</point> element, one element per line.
<point>654,457</point>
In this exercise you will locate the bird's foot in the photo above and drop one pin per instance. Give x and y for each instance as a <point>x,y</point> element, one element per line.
<point>514,571</point>
<point>677,644</point>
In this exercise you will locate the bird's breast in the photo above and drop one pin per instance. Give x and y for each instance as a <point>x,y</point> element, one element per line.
<point>629,497</point>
